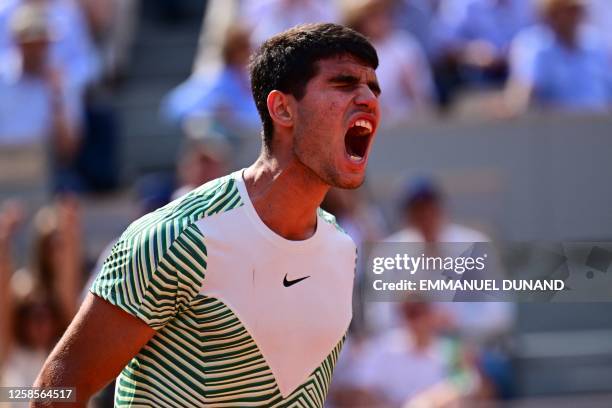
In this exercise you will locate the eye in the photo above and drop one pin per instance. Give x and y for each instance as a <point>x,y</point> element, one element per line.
<point>347,86</point>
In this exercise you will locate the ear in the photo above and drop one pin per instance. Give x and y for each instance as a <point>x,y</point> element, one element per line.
<point>280,108</point>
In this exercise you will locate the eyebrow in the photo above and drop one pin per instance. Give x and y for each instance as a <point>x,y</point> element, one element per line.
<point>348,79</point>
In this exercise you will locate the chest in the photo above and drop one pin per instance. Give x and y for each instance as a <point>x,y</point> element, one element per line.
<point>295,305</point>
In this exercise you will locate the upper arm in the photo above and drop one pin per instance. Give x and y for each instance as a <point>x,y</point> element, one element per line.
<point>151,276</point>
<point>99,342</point>
<point>145,282</point>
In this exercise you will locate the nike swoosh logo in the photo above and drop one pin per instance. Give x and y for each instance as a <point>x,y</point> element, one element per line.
<point>287,283</point>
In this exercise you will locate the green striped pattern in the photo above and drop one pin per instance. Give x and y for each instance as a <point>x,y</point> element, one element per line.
<point>329,218</point>
<point>202,355</point>
<point>205,357</point>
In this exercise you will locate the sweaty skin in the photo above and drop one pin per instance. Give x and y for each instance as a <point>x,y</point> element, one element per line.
<point>308,154</point>
<point>286,184</point>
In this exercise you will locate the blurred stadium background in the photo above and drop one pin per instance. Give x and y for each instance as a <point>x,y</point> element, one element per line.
<point>497,127</point>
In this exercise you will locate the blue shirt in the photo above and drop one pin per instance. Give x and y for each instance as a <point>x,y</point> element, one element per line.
<point>574,79</point>
<point>426,22</point>
<point>72,50</point>
<point>225,98</point>
<point>25,108</point>
<point>494,22</point>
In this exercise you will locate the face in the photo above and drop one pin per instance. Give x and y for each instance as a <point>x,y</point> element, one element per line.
<point>239,51</point>
<point>336,121</point>
<point>566,19</point>
<point>377,24</point>
<point>200,167</point>
<point>39,326</point>
<point>34,54</point>
<point>427,218</point>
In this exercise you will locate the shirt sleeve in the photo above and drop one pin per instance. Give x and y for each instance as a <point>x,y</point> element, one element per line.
<point>152,277</point>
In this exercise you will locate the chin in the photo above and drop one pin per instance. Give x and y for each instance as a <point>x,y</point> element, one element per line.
<point>349,182</point>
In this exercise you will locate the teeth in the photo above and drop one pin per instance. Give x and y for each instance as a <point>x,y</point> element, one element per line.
<point>355,158</point>
<point>364,124</point>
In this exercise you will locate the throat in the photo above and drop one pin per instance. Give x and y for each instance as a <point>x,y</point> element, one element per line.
<point>283,202</point>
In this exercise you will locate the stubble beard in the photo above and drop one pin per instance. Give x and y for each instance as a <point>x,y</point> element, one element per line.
<point>325,171</point>
<point>320,161</point>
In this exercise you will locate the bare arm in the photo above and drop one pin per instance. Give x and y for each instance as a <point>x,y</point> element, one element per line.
<point>67,258</point>
<point>518,96</point>
<point>65,133</point>
<point>99,342</point>
<point>10,216</point>
<point>5,295</point>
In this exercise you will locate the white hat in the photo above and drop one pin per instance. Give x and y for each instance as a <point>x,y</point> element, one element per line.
<point>30,22</point>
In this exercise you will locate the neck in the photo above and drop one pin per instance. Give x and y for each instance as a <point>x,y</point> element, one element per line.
<point>285,195</point>
<point>32,70</point>
<point>568,38</point>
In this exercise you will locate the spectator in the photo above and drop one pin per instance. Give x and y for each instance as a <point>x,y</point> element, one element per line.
<point>37,325</point>
<point>361,220</point>
<point>466,41</point>
<point>484,32</point>
<point>481,323</point>
<point>113,24</point>
<point>600,16</point>
<point>36,305</point>
<point>201,161</point>
<point>37,105</point>
<point>10,216</point>
<point>427,221</point>
<point>424,19</point>
<point>72,52</point>
<point>408,361</point>
<point>269,17</point>
<point>57,253</point>
<point>225,100</point>
<point>561,65</point>
<point>403,71</point>
<point>428,21</point>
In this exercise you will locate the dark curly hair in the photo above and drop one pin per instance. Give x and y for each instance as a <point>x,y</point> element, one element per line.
<point>287,61</point>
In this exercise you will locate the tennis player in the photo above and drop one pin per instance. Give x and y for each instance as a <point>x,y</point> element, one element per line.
<point>239,293</point>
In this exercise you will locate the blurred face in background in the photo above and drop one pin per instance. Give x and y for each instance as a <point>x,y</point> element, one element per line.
<point>34,53</point>
<point>426,215</point>
<point>200,166</point>
<point>372,20</point>
<point>37,324</point>
<point>40,327</point>
<point>422,319</point>
<point>31,32</point>
<point>237,47</point>
<point>565,18</point>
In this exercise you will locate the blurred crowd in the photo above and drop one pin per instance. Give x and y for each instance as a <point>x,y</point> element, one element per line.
<point>61,62</point>
<point>63,58</point>
<point>523,54</point>
<point>58,61</point>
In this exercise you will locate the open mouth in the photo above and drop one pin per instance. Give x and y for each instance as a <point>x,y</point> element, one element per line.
<point>357,139</point>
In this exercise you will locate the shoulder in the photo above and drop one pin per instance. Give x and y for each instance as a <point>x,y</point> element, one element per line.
<point>592,41</point>
<point>161,228</point>
<point>402,43</point>
<point>336,231</point>
<point>331,220</point>
<point>533,37</point>
<point>405,235</point>
<point>461,233</point>
<point>163,254</point>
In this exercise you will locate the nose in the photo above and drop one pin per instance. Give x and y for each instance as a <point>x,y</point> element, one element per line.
<point>367,98</point>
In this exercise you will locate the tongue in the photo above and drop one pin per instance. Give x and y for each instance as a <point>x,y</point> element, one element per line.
<point>356,142</point>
